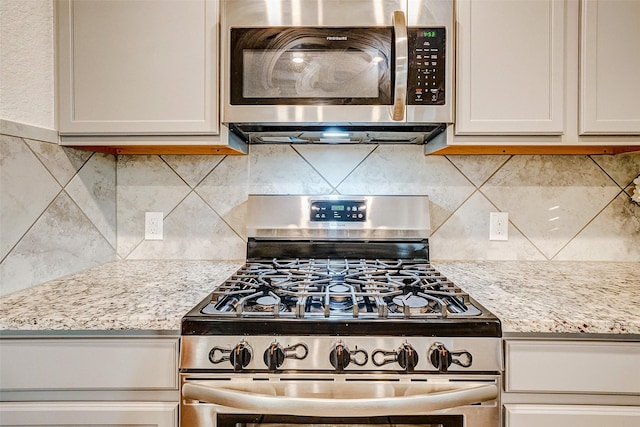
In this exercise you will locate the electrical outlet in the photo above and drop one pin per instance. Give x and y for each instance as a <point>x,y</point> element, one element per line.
<point>153,225</point>
<point>498,226</point>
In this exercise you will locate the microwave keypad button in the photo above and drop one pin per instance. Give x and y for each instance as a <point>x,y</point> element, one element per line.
<point>427,58</point>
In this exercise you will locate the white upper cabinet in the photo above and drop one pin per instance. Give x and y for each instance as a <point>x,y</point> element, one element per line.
<point>510,70</point>
<point>610,67</point>
<point>137,67</point>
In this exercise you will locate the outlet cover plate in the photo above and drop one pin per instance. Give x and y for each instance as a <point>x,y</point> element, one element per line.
<point>498,226</point>
<point>153,225</point>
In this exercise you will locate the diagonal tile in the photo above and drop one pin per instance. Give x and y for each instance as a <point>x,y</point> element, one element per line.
<point>26,189</point>
<point>62,162</point>
<point>94,191</point>
<point>226,189</point>
<point>193,231</point>
<point>278,169</point>
<point>334,162</point>
<point>614,235</point>
<point>404,169</point>
<point>62,241</point>
<point>550,198</point>
<point>623,168</point>
<point>465,235</point>
<point>145,183</point>
<point>192,168</point>
<point>478,168</point>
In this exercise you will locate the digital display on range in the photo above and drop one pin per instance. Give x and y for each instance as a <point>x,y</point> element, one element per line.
<point>342,211</point>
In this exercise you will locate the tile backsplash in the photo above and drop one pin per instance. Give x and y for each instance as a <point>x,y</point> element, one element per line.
<point>64,210</point>
<point>57,211</point>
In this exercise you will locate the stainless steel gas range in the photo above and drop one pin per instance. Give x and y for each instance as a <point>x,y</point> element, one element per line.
<point>338,318</point>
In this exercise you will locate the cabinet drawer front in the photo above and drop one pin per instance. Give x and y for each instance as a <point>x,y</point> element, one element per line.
<point>99,414</point>
<point>572,367</point>
<point>571,416</point>
<point>65,364</point>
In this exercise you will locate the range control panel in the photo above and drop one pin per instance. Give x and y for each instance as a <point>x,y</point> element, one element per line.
<point>426,80</point>
<point>338,210</point>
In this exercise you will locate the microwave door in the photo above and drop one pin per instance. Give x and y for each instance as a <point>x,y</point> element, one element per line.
<point>318,74</point>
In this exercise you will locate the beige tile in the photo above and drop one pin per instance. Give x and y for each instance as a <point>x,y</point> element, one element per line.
<point>61,242</point>
<point>465,236</point>
<point>623,168</point>
<point>26,189</point>
<point>334,162</point>
<point>62,162</point>
<point>226,188</point>
<point>550,198</point>
<point>614,235</point>
<point>478,168</point>
<point>94,191</point>
<point>145,184</point>
<point>404,169</point>
<point>193,231</point>
<point>278,169</point>
<point>192,168</point>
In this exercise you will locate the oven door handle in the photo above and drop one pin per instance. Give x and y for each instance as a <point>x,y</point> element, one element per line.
<point>402,65</point>
<point>339,407</point>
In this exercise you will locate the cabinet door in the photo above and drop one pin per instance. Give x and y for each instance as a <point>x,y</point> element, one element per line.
<point>89,364</point>
<point>102,414</point>
<point>571,416</point>
<point>572,367</point>
<point>510,71</point>
<point>137,67</point>
<point>610,67</point>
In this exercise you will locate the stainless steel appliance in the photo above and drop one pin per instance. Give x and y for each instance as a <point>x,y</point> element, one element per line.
<point>337,318</point>
<point>337,71</point>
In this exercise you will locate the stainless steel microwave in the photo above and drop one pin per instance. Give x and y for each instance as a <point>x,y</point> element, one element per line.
<point>342,63</point>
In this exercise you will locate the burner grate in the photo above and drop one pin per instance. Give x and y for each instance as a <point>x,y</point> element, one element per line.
<point>339,288</point>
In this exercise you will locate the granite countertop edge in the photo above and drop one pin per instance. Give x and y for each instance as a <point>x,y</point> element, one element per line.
<point>531,298</point>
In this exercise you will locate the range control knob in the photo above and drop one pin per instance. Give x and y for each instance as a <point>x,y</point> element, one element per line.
<point>441,358</point>
<point>274,355</point>
<point>340,357</point>
<point>407,357</point>
<point>240,356</point>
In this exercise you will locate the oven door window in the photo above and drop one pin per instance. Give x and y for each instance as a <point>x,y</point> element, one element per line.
<point>301,66</point>
<point>229,420</point>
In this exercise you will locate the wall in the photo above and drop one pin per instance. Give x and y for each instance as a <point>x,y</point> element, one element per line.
<point>63,210</point>
<point>560,207</point>
<point>27,62</point>
<point>57,211</point>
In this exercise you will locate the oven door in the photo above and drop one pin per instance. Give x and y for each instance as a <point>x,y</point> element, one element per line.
<point>353,400</point>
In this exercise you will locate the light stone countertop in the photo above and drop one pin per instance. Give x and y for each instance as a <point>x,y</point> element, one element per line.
<point>528,297</point>
<point>121,295</point>
<point>557,297</point>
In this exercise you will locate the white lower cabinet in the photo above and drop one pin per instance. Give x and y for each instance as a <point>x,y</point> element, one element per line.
<point>571,416</point>
<point>103,414</point>
<point>571,383</point>
<point>89,381</point>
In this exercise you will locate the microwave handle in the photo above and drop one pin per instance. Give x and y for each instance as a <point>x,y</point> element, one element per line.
<point>402,65</point>
<point>339,407</point>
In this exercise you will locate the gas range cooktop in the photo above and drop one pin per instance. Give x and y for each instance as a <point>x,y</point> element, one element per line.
<point>339,265</point>
<point>340,296</point>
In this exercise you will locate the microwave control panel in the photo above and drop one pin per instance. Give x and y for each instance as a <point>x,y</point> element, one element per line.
<point>426,79</point>
<point>338,211</point>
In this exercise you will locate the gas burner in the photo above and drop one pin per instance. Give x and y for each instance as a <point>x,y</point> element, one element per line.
<point>336,289</point>
<point>411,301</point>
